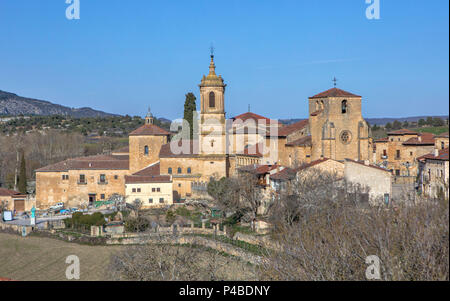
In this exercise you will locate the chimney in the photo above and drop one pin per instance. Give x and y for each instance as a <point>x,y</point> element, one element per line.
<point>420,138</point>
<point>436,152</point>
<point>366,162</point>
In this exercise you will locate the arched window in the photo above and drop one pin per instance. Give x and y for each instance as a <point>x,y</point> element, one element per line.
<point>179,170</point>
<point>146,150</point>
<point>212,100</point>
<point>169,170</point>
<point>189,170</point>
<point>344,107</point>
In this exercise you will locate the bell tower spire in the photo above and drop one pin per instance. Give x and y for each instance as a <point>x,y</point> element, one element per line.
<point>149,118</point>
<point>212,111</point>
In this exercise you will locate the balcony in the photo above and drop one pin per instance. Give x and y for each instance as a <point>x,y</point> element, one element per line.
<point>102,182</point>
<point>81,182</point>
<point>384,157</point>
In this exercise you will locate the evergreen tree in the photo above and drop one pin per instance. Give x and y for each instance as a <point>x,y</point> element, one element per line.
<point>388,126</point>
<point>422,122</point>
<point>397,125</point>
<point>189,108</point>
<point>22,181</point>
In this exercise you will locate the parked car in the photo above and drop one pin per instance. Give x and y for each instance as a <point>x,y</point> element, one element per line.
<point>64,211</point>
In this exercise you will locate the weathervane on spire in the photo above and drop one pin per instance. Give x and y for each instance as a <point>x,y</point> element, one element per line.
<point>334,81</point>
<point>212,50</point>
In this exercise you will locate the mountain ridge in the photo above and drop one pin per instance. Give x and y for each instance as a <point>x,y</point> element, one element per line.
<point>13,105</point>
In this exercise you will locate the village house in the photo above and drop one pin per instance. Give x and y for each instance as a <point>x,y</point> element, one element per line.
<point>434,174</point>
<point>15,201</point>
<point>398,152</point>
<point>377,180</point>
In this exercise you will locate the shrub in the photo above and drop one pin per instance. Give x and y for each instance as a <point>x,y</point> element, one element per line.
<point>139,224</point>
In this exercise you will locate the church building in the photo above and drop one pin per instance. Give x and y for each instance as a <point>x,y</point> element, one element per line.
<point>159,169</point>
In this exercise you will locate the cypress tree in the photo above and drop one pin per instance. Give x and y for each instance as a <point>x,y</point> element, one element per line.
<point>189,108</point>
<point>22,181</point>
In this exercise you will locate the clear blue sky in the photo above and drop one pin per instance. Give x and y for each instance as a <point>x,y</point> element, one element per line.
<point>122,56</point>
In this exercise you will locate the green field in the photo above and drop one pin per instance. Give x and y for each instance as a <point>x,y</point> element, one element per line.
<point>434,130</point>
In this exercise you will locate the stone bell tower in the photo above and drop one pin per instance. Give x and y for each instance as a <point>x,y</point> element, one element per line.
<point>337,127</point>
<point>212,113</point>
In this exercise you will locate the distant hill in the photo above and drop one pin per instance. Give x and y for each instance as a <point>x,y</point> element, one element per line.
<point>13,105</point>
<point>383,121</point>
<point>377,121</point>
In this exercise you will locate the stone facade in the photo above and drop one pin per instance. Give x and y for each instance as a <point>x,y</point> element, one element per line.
<point>337,128</point>
<point>398,152</point>
<point>434,174</point>
<point>15,201</point>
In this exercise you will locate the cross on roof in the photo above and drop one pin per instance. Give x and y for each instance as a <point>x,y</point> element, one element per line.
<point>212,50</point>
<point>334,81</point>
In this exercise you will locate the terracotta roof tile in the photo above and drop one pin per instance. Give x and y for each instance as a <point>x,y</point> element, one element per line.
<point>422,139</point>
<point>313,163</point>
<point>334,92</point>
<point>402,132</point>
<point>99,162</point>
<point>147,179</point>
<point>149,130</point>
<point>284,175</point>
<point>7,192</point>
<point>152,170</point>
<point>257,118</point>
<point>304,141</point>
<point>443,155</point>
<point>258,169</point>
<point>291,128</point>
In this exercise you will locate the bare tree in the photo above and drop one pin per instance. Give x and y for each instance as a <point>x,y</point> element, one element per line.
<point>325,231</point>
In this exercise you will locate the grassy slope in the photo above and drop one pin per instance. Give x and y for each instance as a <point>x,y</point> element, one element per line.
<point>435,130</point>
<point>40,259</point>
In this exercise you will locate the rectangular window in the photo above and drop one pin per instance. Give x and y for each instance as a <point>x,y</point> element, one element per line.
<point>82,179</point>
<point>102,178</point>
<point>384,152</point>
<point>116,177</point>
<point>161,200</point>
<point>138,190</point>
<point>102,196</point>
<point>150,201</point>
<point>133,190</point>
<point>153,189</point>
<point>397,155</point>
<point>397,172</point>
<point>158,189</point>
